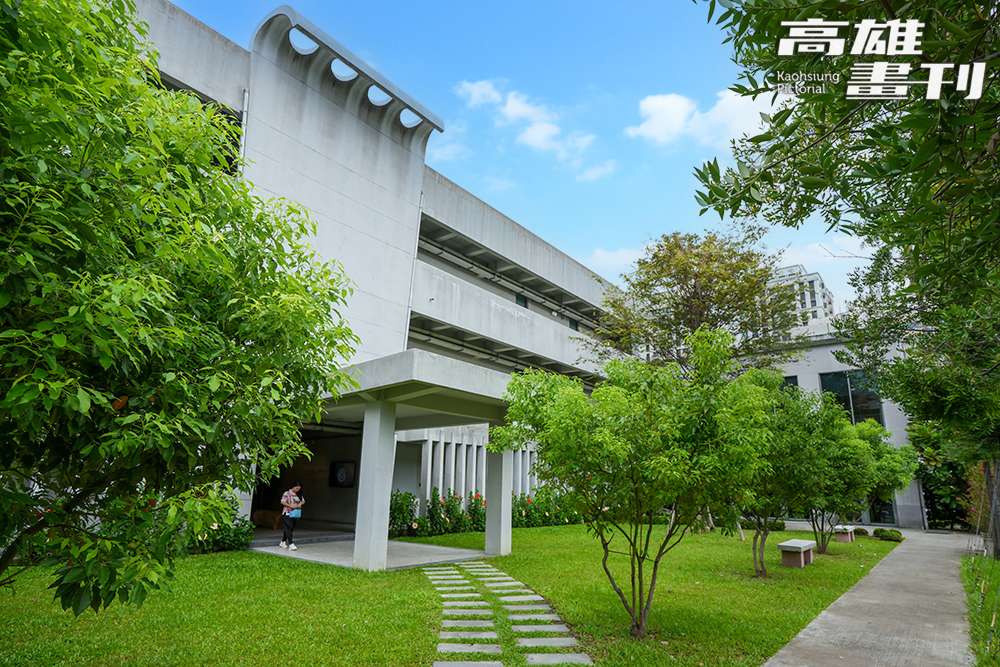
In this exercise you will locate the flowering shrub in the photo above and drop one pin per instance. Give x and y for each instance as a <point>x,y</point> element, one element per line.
<point>476,507</point>
<point>402,514</point>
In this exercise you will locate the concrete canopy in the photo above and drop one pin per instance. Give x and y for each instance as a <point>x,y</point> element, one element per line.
<point>429,391</point>
<point>417,389</point>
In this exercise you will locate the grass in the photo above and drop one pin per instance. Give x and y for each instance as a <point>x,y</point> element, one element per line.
<point>707,609</point>
<point>256,609</point>
<point>974,572</point>
<point>237,608</point>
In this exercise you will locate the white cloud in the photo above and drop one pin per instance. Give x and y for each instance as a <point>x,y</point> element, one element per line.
<point>450,151</point>
<point>669,117</point>
<point>542,131</point>
<point>478,93</point>
<point>666,118</point>
<point>518,107</point>
<point>595,173</point>
<point>495,184</point>
<point>611,264</point>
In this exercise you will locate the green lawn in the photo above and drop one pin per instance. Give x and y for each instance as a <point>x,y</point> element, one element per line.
<point>708,609</point>
<point>238,608</point>
<point>257,609</point>
<point>974,572</point>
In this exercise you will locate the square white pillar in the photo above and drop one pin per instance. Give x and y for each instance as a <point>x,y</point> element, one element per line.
<point>448,484</point>
<point>517,474</point>
<point>499,479</point>
<point>481,469</point>
<point>438,481</point>
<point>424,492</point>
<point>378,454</point>
<point>460,453</point>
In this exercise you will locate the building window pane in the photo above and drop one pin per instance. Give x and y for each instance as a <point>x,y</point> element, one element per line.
<point>854,394</point>
<point>790,381</point>
<point>574,325</point>
<point>521,300</point>
<point>881,512</point>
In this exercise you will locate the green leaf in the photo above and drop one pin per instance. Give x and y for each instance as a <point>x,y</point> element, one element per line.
<point>84,398</point>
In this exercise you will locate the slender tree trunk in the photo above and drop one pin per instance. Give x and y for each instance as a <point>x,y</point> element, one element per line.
<point>756,566</point>
<point>763,565</point>
<point>739,528</point>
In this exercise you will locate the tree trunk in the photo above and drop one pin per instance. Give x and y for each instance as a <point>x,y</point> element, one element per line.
<point>739,528</point>
<point>763,565</point>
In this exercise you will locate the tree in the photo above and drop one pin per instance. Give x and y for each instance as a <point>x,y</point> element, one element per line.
<point>652,444</point>
<point>685,282</point>
<point>917,175</point>
<point>163,331</point>
<point>892,467</point>
<point>792,464</point>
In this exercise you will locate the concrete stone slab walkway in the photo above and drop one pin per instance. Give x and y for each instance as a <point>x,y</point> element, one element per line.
<point>465,636</point>
<point>908,611</point>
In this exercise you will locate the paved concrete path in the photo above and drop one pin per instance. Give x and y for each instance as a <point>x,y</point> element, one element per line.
<point>909,611</point>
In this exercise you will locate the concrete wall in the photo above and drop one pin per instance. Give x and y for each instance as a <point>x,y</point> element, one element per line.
<point>458,209</point>
<point>445,297</point>
<point>819,359</point>
<point>194,56</point>
<point>320,141</point>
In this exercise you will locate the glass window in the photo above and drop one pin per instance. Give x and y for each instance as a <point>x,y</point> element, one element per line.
<point>521,300</point>
<point>855,394</point>
<point>790,381</point>
<point>574,325</point>
<point>881,512</point>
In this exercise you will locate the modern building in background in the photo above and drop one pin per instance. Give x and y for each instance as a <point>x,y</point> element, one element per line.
<point>818,370</point>
<point>813,299</point>
<point>451,296</point>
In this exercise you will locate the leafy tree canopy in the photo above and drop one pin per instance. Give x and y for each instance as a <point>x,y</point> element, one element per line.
<point>919,175</point>
<point>685,282</point>
<point>162,329</point>
<point>651,445</point>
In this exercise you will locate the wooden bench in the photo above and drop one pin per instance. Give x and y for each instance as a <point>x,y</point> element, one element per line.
<point>797,553</point>
<point>843,533</point>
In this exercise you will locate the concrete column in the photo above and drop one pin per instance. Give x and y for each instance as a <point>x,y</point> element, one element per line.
<point>438,471</point>
<point>499,476</point>
<point>460,453</point>
<point>526,471</point>
<point>448,483</point>
<point>517,474</point>
<point>481,469</point>
<point>426,457</point>
<point>378,454</point>
<point>471,483</point>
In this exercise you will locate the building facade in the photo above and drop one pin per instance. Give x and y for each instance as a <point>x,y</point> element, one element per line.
<point>813,299</point>
<point>818,370</point>
<point>451,296</point>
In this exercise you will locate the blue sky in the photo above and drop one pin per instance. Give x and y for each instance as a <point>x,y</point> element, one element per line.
<point>580,120</point>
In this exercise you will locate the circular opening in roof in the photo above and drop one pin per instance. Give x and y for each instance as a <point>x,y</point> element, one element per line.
<point>377,96</point>
<point>342,70</point>
<point>300,42</point>
<point>408,118</point>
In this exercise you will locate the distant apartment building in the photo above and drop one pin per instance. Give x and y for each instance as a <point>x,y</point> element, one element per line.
<point>813,299</point>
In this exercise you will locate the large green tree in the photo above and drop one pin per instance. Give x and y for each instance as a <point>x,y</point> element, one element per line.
<point>651,445</point>
<point>918,175</point>
<point>685,282</point>
<point>162,330</point>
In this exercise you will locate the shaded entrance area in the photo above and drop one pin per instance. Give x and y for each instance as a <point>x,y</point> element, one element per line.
<point>398,554</point>
<point>348,482</point>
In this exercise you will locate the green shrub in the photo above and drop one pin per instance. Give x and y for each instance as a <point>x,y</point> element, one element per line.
<point>402,514</point>
<point>880,533</point>
<point>456,519</point>
<point>477,511</point>
<point>860,531</point>
<point>892,535</point>
<point>776,526</point>
<point>235,536</point>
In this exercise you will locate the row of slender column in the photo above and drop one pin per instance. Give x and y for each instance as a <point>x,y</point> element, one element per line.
<point>460,466</point>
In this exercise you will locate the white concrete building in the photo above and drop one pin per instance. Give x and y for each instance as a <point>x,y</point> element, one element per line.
<point>818,370</point>
<point>814,300</point>
<point>451,295</point>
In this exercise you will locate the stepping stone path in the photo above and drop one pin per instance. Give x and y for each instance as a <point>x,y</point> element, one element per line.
<point>469,617</point>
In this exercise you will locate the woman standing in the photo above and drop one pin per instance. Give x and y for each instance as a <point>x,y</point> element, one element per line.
<point>291,500</point>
